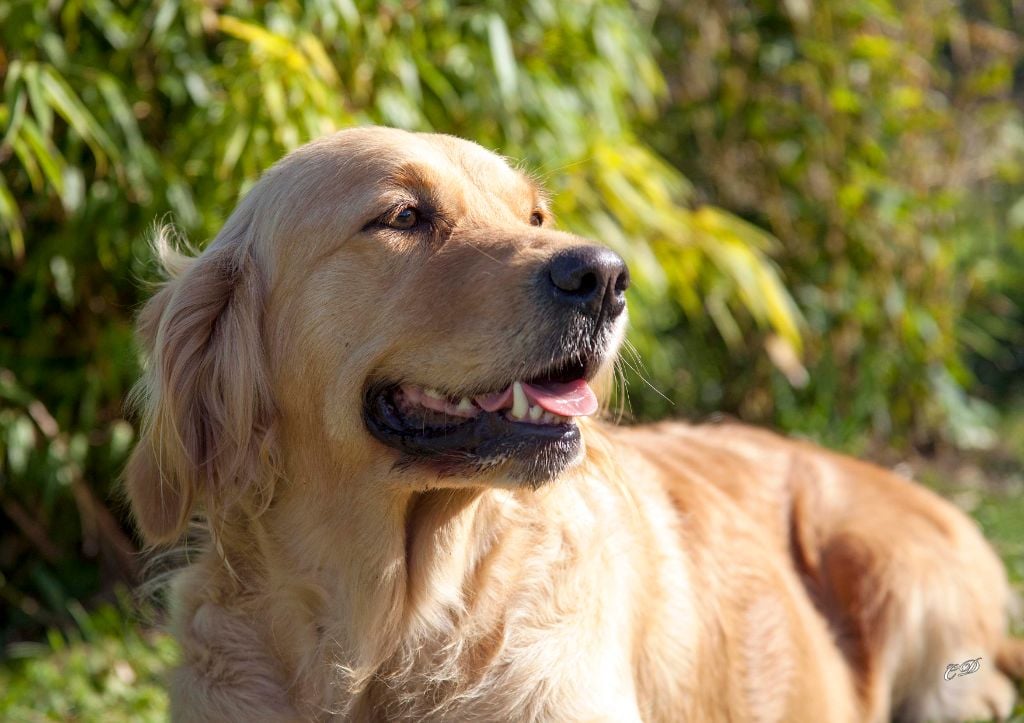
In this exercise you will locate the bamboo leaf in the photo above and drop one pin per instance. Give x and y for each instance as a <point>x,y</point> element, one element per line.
<point>120,111</point>
<point>41,108</point>
<point>28,163</point>
<point>164,18</point>
<point>503,58</point>
<point>263,40</point>
<point>47,155</point>
<point>233,150</point>
<point>319,59</point>
<point>10,219</point>
<point>68,105</point>
<point>14,121</point>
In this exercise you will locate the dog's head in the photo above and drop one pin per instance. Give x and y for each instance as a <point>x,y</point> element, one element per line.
<point>395,301</point>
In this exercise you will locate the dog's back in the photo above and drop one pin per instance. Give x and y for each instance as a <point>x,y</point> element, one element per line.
<point>907,584</point>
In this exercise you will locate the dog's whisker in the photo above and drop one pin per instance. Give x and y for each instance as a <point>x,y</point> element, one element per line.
<point>640,375</point>
<point>480,251</point>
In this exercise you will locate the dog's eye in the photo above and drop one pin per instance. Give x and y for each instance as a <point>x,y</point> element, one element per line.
<point>405,219</point>
<point>537,219</point>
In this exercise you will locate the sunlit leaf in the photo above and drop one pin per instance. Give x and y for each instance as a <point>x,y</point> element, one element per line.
<point>10,220</point>
<point>502,57</point>
<point>264,41</point>
<point>48,157</point>
<point>67,104</point>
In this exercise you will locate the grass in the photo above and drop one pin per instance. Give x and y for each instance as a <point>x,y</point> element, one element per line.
<point>1002,519</point>
<point>995,499</point>
<point>107,668</point>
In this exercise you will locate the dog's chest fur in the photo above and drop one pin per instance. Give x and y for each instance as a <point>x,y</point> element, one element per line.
<point>492,617</point>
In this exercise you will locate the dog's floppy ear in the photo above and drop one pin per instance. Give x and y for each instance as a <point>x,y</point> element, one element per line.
<point>205,397</point>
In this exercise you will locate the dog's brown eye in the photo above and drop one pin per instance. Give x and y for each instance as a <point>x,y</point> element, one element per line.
<point>405,219</point>
<point>537,219</point>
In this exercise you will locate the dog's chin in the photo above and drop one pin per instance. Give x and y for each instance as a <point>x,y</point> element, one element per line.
<point>495,437</point>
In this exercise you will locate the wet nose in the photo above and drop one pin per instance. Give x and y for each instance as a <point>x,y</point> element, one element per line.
<point>592,279</point>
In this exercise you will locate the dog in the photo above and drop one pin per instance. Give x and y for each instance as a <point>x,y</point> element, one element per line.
<point>376,388</point>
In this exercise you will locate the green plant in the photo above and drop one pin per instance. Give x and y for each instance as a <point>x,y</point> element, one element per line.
<point>116,114</point>
<point>102,668</point>
<point>884,147</point>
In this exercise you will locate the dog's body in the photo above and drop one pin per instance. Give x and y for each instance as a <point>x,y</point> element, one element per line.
<point>371,560</point>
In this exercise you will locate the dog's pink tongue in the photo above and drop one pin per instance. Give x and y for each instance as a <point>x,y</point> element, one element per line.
<point>569,399</point>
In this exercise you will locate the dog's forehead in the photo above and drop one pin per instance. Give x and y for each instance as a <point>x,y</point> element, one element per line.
<point>485,168</point>
<point>345,180</point>
<point>445,163</point>
<point>461,175</point>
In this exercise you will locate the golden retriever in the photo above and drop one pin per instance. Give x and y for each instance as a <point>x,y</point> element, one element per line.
<point>373,387</point>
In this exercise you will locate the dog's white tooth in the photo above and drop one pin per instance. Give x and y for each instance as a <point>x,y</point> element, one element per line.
<point>465,405</point>
<point>433,393</point>
<point>548,418</point>
<point>535,412</point>
<point>520,404</point>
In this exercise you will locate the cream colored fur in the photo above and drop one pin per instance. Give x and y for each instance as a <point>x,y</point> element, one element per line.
<point>676,573</point>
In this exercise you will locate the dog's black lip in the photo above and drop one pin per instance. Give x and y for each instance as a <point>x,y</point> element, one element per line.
<point>463,435</point>
<point>533,453</point>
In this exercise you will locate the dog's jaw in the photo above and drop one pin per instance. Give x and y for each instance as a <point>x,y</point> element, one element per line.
<point>490,438</point>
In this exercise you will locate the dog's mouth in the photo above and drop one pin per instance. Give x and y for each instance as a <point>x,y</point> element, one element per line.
<point>528,424</point>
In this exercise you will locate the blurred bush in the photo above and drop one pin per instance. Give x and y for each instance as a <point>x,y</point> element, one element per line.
<point>101,669</point>
<point>883,144</point>
<point>872,155</point>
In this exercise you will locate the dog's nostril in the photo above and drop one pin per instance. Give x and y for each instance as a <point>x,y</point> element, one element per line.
<point>622,281</point>
<point>588,278</point>
<point>586,285</point>
<point>571,274</point>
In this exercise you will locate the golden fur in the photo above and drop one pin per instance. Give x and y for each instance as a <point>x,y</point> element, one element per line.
<point>675,573</point>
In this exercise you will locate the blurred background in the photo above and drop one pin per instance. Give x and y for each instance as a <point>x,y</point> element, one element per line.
<point>822,204</point>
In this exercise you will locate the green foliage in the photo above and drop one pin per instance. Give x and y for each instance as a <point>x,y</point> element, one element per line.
<point>884,147</point>
<point>117,114</point>
<point>868,160</point>
<point>104,669</point>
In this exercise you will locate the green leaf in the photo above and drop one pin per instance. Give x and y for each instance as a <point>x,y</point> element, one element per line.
<point>28,163</point>
<point>68,105</point>
<point>503,59</point>
<point>10,221</point>
<point>47,155</point>
<point>41,109</point>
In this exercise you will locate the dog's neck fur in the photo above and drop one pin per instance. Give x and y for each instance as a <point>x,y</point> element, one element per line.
<point>387,608</point>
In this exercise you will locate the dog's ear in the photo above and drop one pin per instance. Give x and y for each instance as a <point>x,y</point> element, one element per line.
<point>206,403</point>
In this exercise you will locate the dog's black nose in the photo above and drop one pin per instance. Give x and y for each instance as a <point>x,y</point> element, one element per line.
<point>591,279</point>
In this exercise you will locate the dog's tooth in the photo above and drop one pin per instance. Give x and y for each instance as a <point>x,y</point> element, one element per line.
<point>535,412</point>
<point>466,405</point>
<point>433,393</point>
<point>548,418</point>
<point>520,404</point>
